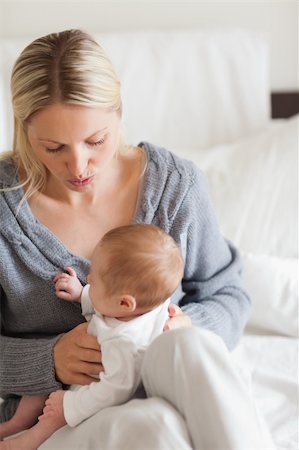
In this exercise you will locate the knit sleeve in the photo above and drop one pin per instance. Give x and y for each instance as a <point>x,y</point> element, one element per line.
<point>26,366</point>
<point>33,359</point>
<point>214,297</point>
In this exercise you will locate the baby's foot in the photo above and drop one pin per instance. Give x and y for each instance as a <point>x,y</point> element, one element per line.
<point>15,444</point>
<point>10,428</point>
<point>5,445</point>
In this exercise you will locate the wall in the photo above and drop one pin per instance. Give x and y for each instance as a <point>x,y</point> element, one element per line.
<point>278,20</point>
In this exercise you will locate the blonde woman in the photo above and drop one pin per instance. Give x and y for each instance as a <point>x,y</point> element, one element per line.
<point>68,180</point>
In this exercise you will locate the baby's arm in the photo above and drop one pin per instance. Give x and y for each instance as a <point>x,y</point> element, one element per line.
<point>118,382</point>
<point>67,285</point>
<point>69,288</point>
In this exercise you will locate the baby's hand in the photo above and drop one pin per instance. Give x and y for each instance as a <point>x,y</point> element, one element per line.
<point>54,408</point>
<point>67,285</point>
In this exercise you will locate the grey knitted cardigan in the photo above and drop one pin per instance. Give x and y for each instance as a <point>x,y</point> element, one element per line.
<point>174,197</point>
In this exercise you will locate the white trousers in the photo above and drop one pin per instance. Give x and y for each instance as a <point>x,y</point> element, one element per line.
<point>197,399</point>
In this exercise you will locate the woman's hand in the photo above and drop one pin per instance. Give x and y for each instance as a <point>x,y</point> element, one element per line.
<point>77,356</point>
<point>177,318</point>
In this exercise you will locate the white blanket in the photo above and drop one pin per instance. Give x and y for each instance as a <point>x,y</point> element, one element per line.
<point>272,362</point>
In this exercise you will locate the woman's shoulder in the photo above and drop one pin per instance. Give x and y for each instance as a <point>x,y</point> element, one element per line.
<point>168,183</point>
<point>166,161</point>
<point>8,172</point>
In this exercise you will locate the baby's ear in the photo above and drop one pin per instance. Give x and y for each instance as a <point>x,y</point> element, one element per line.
<point>127,302</point>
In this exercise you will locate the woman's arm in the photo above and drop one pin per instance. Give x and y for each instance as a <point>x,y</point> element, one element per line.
<point>39,366</point>
<point>26,366</point>
<point>214,297</point>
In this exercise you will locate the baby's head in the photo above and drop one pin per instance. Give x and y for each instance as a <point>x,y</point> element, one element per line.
<point>134,269</point>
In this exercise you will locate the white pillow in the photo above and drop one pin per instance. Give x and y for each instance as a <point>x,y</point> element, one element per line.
<point>272,284</point>
<point>254,187</point>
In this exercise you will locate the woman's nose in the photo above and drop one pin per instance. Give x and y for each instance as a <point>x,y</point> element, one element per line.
<point>77,162</point>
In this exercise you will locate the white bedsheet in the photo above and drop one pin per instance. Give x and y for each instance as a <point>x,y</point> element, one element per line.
<point>272,362</point>
<point>254,188</point>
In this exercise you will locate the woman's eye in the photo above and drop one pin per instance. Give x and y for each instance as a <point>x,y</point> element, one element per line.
<point>94,144</point>
<point>58,149</point>
<point>54,150</point>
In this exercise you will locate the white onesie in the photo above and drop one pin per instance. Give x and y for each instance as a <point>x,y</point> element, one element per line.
<point>123,345</point>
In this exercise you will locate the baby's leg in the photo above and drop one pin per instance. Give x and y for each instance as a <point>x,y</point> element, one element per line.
<point>31,439</point>
<point>29,408</point>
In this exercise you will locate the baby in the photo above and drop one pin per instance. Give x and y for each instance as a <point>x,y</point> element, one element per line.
<point>134,271</point>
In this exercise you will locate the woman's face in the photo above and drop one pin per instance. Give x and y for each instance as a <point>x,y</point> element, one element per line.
<point>75,143</point>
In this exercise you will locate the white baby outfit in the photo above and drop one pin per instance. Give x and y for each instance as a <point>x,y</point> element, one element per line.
<point>123,345</point>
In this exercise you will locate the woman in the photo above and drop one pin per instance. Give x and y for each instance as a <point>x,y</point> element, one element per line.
<point>70,179</point>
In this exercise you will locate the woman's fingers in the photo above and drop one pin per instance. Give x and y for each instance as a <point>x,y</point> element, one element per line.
<point>76,356</point>
<point>87,341</point>
<point>89,354</point>
<point>174,310</point>
<point>84,380</point>
<point>177,318</point>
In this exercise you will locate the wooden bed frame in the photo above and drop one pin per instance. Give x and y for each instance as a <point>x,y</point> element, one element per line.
<point>284,104</point>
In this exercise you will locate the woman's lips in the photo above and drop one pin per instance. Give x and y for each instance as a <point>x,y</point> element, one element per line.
<point>81,182</point>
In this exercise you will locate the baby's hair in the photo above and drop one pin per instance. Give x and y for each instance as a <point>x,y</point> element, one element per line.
<point>143,261</point>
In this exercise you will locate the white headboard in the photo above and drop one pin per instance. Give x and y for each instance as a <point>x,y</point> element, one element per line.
<point>276,20</point>
<point>180,89</point>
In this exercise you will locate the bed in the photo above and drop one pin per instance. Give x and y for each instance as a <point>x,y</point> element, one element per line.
<point>205,95</point>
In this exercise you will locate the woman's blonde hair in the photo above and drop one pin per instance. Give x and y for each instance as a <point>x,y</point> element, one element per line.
<point>141,260</point>
<point>68,67</point>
